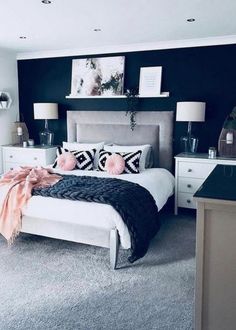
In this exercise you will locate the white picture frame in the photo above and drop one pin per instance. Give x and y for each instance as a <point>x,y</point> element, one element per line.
<point>150,81</point>
<point>101,76</point>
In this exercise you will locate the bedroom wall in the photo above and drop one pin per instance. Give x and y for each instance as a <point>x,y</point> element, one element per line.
<point>189,74</point>
<point>8,83</point>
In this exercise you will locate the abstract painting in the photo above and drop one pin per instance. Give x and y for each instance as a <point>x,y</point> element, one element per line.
<point>101,76</point>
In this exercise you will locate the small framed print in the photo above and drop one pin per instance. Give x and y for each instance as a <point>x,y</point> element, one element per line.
<point>150,81</point>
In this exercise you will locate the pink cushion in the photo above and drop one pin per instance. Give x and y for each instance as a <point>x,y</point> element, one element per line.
<point>115,164</point>
<point>66,161</point>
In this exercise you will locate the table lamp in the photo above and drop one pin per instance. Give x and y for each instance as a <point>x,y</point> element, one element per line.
<point>46,111</point>
<point>190,112</point>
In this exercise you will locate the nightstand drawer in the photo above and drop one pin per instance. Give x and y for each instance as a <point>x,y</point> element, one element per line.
<point>11,166</point>
<point>186,200</point>
<point>15,156</point>
<point>195,170</point>
<point>25,156</point>
<point>189,185</point>
<point>191,171</point>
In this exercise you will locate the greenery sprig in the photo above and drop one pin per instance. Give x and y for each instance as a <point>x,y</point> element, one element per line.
<point>4,97</point>
<point>132,102</point>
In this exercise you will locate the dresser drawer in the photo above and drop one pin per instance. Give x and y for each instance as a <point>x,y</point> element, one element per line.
<point>195,170</point>
<point>189,185</point>
<point>186,200</point>
<point>11,166</point>
<point>25,156</point>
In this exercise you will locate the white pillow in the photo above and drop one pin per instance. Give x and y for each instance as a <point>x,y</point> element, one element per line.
<point>85,146</point>
<point>145,156</point>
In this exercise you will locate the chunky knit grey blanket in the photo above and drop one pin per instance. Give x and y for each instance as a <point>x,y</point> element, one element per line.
<point>134,203</point>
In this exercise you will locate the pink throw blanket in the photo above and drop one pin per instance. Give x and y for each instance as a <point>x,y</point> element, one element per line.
<point>15,190</point>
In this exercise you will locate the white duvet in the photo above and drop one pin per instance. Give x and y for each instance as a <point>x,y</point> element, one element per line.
<point>159,182</point>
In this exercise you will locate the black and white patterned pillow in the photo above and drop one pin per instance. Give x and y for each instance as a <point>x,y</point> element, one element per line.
<point>131,160</point>
<point>85,158</point>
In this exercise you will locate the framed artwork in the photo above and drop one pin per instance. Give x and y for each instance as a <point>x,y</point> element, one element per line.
<point>101,76</point>
<point>150,81</point>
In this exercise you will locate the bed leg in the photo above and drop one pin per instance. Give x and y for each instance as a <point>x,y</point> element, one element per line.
<point>114,247</point>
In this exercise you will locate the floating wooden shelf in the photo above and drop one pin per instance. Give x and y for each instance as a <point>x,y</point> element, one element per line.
<point>164,94</point>
<point>95,97</point>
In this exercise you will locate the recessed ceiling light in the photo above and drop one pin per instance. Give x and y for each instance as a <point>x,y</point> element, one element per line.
<point>22,37</point>
<point>97,30</point>
<point>191,20</point>
<point>46,2</point>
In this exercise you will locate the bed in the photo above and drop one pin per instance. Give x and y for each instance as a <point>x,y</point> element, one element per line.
<point>74,220</point>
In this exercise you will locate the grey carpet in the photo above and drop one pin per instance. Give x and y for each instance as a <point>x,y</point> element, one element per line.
<point>52,284</point>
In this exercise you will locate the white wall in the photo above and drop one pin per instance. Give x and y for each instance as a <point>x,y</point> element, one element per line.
<point>8,83</point>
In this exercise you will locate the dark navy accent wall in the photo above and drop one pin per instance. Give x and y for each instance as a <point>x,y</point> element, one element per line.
<point>190,74</point>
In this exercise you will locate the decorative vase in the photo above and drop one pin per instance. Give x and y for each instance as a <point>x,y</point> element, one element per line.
<point>4,104</point>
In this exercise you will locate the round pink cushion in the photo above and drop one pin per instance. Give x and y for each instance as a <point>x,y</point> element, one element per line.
<point>66,161</point>
<point>115,164</point>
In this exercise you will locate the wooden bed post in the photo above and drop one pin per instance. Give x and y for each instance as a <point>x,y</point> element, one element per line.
<point>114,247</point>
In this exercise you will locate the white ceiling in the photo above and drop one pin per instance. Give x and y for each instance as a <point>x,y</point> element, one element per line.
<point>70,24</point>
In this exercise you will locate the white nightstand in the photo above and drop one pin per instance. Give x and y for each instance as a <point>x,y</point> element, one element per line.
<point>15,156</point>
<point>191,170</point>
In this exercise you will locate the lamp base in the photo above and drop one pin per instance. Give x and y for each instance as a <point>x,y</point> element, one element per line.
<point>189,144</point>
<point>46,138</point>
<point>20,139</point>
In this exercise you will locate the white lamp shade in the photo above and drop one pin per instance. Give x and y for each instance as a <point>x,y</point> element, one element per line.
<point>190,111</point>
<point>45,111</point>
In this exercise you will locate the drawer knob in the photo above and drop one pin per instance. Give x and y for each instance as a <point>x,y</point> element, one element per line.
<point>189,185</point>
<point>189,170</point>
<point>35,158</point>
<point>188,201</point>
<point>11,156</point>
<point>11,168</point>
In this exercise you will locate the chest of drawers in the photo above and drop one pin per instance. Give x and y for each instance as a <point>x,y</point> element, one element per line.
<point>190,172</point>
<point>15,156</point>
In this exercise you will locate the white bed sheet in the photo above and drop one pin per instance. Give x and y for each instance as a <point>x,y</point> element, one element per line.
<point>159,182</point>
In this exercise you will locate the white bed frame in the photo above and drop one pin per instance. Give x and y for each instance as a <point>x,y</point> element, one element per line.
<point>96,235</point>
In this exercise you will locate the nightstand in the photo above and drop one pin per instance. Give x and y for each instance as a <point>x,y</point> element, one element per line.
<point>15,156</point>
<point>191,170</point>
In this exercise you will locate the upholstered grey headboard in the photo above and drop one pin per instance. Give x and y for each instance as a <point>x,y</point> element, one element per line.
<point>153,127</point>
